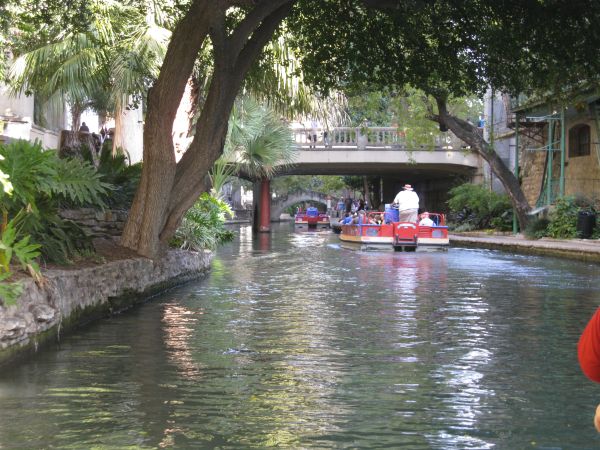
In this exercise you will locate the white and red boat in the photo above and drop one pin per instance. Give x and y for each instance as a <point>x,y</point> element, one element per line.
<point>380,232</point>
<point>312,218</point>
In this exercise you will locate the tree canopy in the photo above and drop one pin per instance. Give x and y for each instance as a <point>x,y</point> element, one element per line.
<point>448,48</point>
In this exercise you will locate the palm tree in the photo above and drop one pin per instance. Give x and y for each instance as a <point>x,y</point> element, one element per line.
<point>258,142</point>
<point>119,53</point>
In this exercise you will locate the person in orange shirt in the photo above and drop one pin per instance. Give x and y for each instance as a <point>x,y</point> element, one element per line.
<point>588,352</point>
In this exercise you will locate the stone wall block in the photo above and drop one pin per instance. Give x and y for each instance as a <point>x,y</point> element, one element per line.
<point>84,294</point>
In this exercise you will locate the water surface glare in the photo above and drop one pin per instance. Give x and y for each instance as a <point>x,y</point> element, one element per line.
<point>295,342</point>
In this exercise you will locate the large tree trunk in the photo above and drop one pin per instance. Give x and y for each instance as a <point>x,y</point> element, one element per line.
<point>470,134</point>
<point>168,189</point>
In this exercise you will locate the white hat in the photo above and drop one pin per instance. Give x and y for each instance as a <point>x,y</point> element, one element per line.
<point>407,187</point>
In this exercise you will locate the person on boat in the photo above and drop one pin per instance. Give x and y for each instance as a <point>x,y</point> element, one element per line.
<point>376,220</point>
<point>360,218</point>
<point>348,204</point>
<point>425,220</point>
<point>588,352</point>
<point>408,204</point>
<point>347,220</point>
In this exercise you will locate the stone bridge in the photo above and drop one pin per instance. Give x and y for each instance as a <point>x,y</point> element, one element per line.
<point>432,168</point>
<point>379,151</point>
<point>279,205</point>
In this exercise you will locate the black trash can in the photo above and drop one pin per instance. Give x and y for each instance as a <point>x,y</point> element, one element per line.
<point>586,221</point>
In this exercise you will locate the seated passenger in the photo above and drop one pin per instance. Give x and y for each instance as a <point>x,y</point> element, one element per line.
<point>360,218</point>
<point>425,220</point>
<point>376,220</point>
<point>347,220</point>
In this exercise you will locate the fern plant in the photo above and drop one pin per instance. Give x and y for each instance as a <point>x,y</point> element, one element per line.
<point>41,182</point>
<point>203,225</point>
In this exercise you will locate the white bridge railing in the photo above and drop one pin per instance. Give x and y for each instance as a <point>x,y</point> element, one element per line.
<point>361,138</point>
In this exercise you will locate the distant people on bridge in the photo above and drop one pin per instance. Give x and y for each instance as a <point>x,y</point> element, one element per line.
<point>313,132</point>
<point>588,352</point>
<point>426,220</point>
<point>408,204</point>
<point>326,140</point>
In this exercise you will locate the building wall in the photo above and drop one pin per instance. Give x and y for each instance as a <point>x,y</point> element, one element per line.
<point>17,114</point>
<point>582,173</point>
<point>531,169</point>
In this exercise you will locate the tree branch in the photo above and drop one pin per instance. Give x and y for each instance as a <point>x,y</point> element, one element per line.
<point>259,39</point>
<point>253,19</point>
<point>470,135</point>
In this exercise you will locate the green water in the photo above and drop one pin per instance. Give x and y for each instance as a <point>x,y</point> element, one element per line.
<point>294,342</point>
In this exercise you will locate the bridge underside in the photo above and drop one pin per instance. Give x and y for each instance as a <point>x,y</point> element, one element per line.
<point>417,171</point>
<point>417,164</point>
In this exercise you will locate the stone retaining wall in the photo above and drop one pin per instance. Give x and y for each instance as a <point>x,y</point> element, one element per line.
<point>97,223</point>
<point>69,298</point>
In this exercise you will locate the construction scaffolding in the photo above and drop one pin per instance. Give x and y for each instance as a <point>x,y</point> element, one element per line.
<point>552,186</point>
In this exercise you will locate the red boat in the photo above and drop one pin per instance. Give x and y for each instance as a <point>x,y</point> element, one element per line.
<point>312,218</point>
<point>378,233</point>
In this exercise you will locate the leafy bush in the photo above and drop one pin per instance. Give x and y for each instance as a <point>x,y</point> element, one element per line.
<point>123,177</point>
<point>41,183</point>
<point>563,219</point>
<point>203,225</point>
<point>10,249</point>
<point>476,207</point>
<point>537,228</point>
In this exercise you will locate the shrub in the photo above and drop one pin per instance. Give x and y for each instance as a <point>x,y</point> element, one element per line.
<point>563,219</point>
<point>203,225</point>
<point>537,228</point>
<point>41,182</point>
<point>476,207</point>
<point>123,177</point>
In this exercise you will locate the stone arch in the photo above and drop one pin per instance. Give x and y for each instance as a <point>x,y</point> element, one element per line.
<point>279,205</point>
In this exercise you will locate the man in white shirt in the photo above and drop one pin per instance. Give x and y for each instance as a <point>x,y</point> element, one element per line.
<point>425,220</point>
<point>408,204</point>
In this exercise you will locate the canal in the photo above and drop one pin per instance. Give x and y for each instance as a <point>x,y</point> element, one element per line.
<point>295,342</point>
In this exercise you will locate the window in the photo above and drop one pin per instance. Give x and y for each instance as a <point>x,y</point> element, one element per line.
<point>579,141</point>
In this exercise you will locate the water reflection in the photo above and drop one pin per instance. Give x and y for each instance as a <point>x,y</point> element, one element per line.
<point>296,342</point>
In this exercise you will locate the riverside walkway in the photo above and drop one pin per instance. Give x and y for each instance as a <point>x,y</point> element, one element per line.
<point>579,249</point>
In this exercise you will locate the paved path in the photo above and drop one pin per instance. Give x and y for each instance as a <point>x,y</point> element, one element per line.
<point>581,249</point>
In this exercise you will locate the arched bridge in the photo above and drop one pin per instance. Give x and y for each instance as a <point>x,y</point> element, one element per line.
<point>279,204</point>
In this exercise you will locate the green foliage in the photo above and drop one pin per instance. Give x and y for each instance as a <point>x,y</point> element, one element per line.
<point>563,219</point>
<point>37,174</point>
<point>98,61</point>
<point>537,228</point>
<point>203,225</point>
<point>257,140</point>
<point>123,178</point>
<point>476,207</point>
<point>9,292</point>
<point>24,252</point>
<point>7,186</point>
<point>41,183</point>
<point>13,249</point>
<point>326,184</point>
<point>408,109</point>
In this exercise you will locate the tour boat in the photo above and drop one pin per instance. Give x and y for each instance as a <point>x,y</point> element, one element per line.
<point>312,218</point>
<point>399,236</point>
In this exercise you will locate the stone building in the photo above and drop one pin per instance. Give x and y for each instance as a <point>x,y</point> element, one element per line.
<point>559,146</point>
